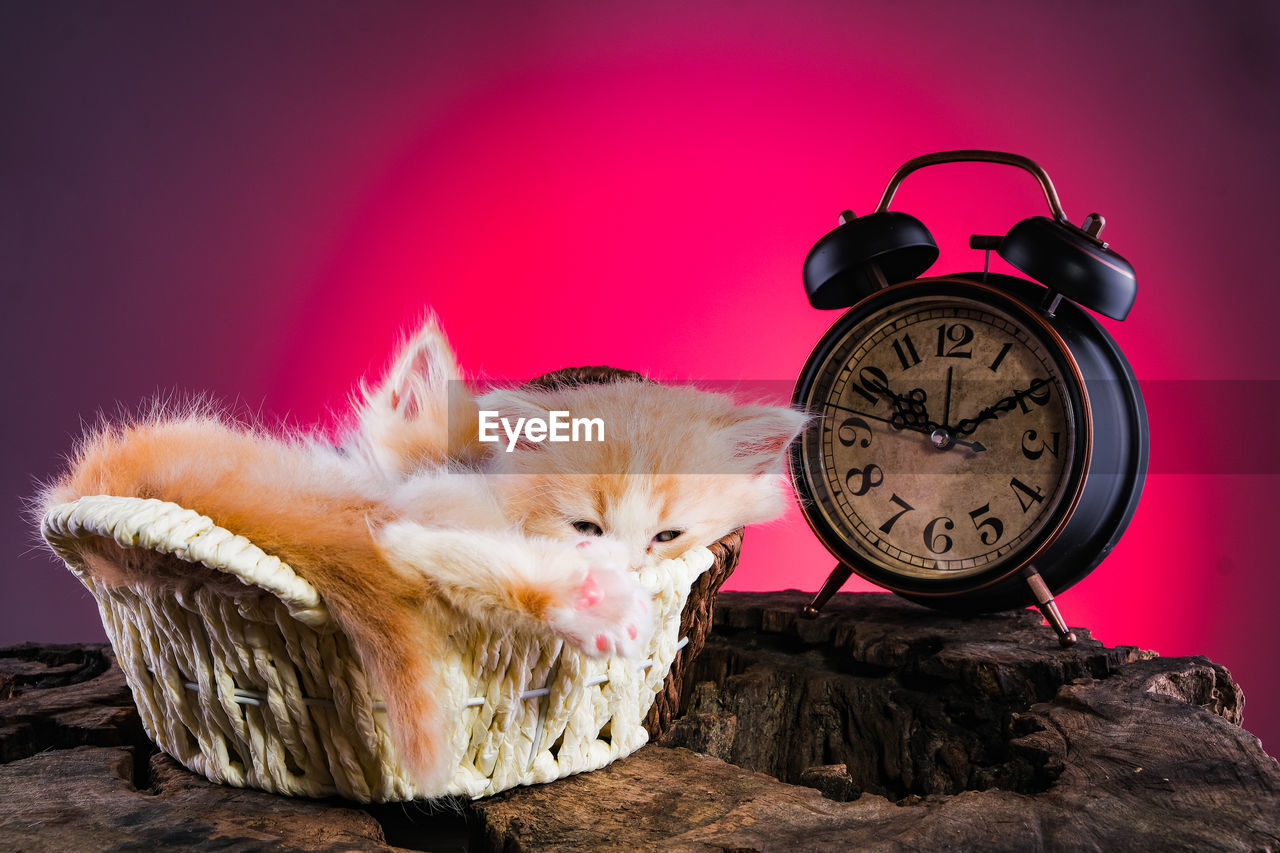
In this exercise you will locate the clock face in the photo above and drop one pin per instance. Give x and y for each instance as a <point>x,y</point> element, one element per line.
<point>952,436</point>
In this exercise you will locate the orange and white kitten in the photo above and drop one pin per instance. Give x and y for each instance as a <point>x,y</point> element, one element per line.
<point>412,525</point>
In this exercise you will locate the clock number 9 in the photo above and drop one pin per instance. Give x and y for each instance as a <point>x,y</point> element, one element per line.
<point>872,475</point>
<point>941,542</point>
<point>848,432</point>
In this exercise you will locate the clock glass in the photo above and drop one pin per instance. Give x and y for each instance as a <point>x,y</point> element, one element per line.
<point>951,440</point>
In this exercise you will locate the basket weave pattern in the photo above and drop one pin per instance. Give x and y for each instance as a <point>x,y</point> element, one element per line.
<point>239,672</point>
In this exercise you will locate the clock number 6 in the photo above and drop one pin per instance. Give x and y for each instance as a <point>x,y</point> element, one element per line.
<point>872,476</point>
<point>991,536</point>
<point>940,543</point>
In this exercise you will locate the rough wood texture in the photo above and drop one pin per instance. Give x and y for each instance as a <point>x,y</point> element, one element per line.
<point>879,726</point>
<point>964,734</point>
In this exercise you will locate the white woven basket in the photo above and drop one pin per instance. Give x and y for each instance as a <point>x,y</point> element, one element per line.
<point>240,674</point>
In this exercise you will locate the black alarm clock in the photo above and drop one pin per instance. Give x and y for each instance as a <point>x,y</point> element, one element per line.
<point>979,441</point>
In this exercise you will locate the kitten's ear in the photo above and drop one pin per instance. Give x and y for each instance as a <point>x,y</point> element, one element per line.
<point>760,435</point>
<point>419,376</point>
<point>422,412</point>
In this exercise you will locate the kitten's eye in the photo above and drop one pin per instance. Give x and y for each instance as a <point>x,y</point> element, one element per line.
<point>588,528</point>
<point>667,535</point>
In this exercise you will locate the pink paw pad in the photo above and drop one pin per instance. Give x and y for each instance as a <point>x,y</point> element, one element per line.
<point>632,631</point>
<point>589,594</point>
<point>602,643</point>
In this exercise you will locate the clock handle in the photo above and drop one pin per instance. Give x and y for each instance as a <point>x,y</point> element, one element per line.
<point>976,156</point>
<point>835,580</point>
<point>1044,600</point>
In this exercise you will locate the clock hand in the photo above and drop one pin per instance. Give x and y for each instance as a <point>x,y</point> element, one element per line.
<point>944,442</point>
<point>946,403</point>
<point>888,421</point>
<point>1005,404</point>
<point>896,421</point>
<point>974,446</point>
<point>909,412</point>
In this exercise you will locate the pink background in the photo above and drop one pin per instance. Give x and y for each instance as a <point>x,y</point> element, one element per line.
<point>256,201</point>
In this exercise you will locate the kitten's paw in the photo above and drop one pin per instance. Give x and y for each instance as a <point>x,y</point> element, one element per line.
<point>608,612</point>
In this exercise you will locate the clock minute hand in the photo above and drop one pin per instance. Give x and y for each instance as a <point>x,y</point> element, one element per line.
<point>1005,404</point>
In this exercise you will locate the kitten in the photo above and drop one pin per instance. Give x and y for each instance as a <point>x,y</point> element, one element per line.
<point>413,524</point>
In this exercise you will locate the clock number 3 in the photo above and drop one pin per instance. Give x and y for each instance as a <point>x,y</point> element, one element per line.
<point>1032,452</point>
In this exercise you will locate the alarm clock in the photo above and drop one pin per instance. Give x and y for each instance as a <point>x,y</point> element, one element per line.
<point>979,441</point>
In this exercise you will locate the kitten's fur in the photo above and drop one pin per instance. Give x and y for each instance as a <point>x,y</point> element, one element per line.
<point>412,524</point>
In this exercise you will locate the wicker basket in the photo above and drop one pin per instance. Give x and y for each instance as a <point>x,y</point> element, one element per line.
<point>241,675</point>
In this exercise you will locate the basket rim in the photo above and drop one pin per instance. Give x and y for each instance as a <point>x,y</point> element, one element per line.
<point>168,528</point>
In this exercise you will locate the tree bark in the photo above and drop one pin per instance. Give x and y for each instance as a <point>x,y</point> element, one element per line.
<point>880,725</point>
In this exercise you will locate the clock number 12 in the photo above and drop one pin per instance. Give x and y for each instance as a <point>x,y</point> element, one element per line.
<point>958,335</point>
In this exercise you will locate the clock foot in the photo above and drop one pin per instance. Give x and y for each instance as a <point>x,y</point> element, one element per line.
<point>835,580</point>
<point>1044,600</point>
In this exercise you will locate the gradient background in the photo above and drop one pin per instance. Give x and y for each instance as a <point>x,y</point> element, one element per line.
<point>255,199</point>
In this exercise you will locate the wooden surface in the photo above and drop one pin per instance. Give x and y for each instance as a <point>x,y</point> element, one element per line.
<point>878,726</point>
